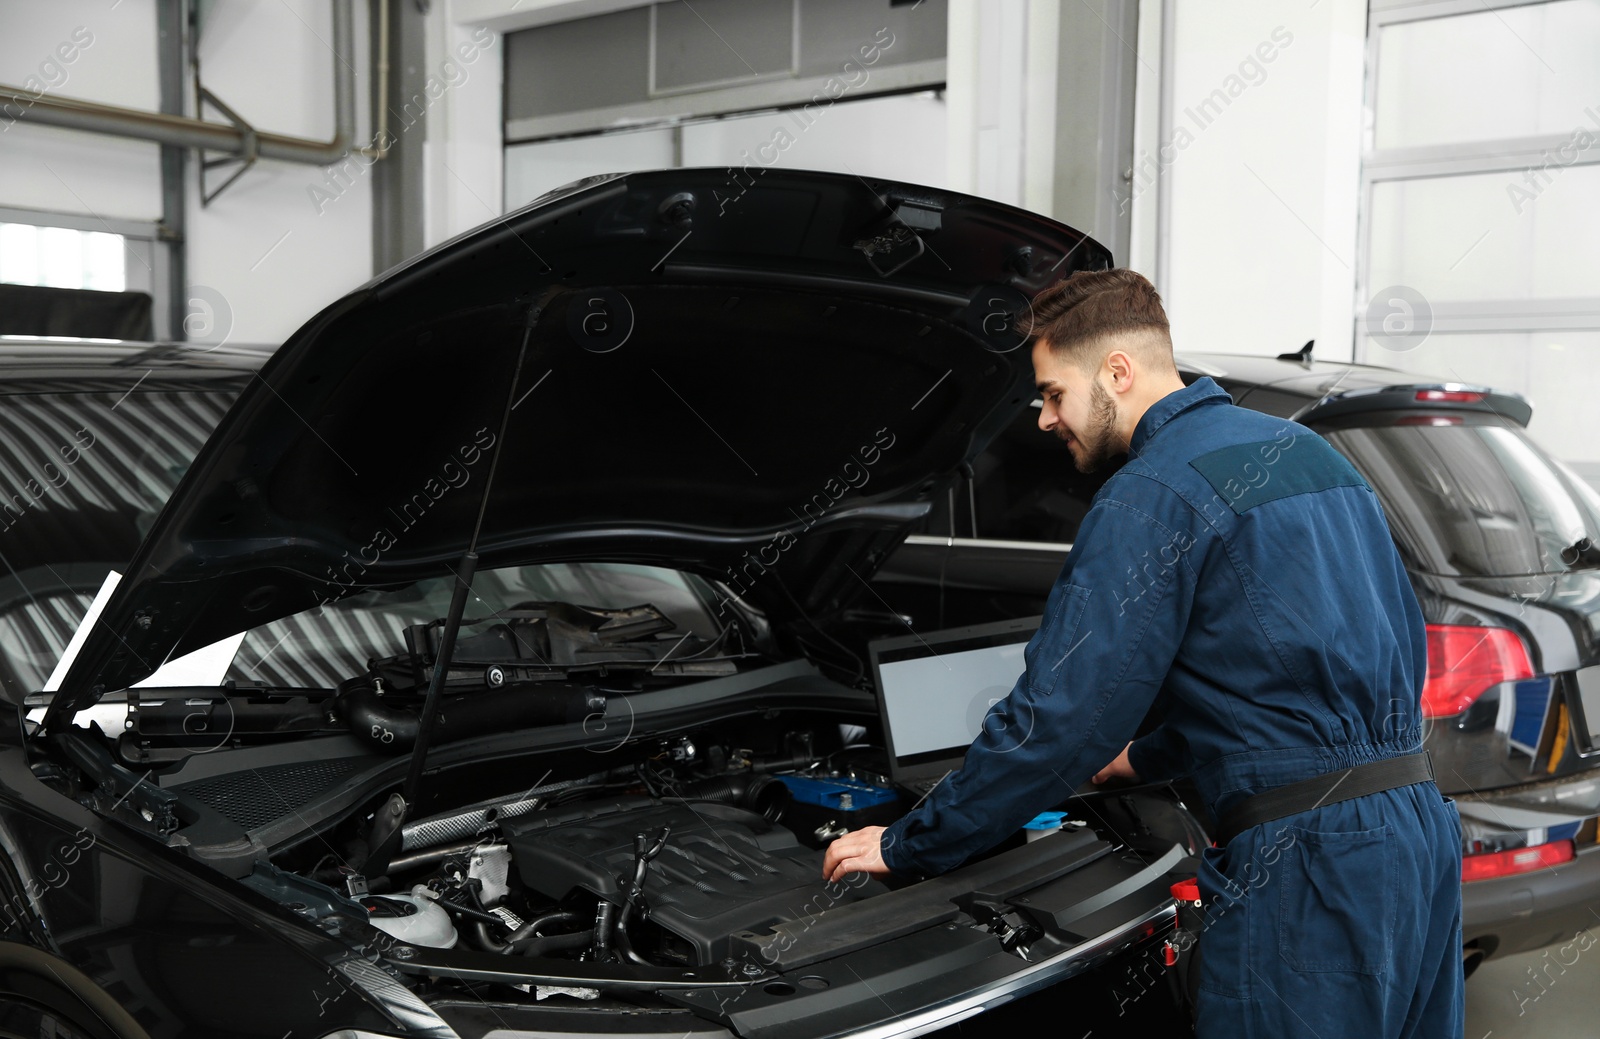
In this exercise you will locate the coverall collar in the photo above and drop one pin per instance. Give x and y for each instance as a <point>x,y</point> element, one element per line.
<point>1203,390</point>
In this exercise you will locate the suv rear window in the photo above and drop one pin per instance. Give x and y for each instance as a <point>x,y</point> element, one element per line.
<point>1476,498</point>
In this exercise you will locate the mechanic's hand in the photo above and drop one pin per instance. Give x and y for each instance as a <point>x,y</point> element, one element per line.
<point>1118,769</point>
<point>857,850</point>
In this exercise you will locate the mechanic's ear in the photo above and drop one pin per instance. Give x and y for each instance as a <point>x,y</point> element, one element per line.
<point>1119,368</point>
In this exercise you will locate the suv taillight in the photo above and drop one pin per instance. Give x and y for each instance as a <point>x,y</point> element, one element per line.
<point>1518,860</point>
<point>1465,661</point>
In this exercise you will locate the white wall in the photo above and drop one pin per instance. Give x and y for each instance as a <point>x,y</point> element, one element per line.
<point>97,52</point>
<point>275,250</point>
<point>463,152</point>
<point>1141,194</point>
<point>285,239</point>
<point>1265,187</point>
<point>1263,222</point>
<point>264,249</point>
<point>899,137</point>
<point>1001,87</point>
<point>536,167</point>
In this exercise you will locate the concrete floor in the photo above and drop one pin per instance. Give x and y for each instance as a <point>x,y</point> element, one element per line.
<point>1553,992</point>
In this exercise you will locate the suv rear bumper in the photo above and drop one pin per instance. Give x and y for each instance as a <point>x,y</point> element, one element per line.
<point>1529,911</point>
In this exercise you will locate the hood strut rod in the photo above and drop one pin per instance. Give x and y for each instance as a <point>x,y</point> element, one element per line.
<point>464,574</point>
<point>383,849</point>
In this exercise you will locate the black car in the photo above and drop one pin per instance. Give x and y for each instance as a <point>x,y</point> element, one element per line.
<point>461,680</point>
<point>1500,540</point>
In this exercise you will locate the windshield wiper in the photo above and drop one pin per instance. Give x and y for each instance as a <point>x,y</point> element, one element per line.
<point>552,641</point>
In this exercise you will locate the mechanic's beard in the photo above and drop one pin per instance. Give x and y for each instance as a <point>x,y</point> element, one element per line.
<point>1098,442</point>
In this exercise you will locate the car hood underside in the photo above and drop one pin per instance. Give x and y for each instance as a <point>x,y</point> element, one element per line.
<point>685,379</point>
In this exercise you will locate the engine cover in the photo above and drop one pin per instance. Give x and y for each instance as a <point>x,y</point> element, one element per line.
<point>723,871</point>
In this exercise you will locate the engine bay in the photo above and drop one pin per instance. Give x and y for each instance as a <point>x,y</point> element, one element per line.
<point>716,870</point>
<point>661,864</point>
<point>690,839</point>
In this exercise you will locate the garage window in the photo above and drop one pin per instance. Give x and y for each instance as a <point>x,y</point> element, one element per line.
<point>1478,224</point>
<point>61,257</point>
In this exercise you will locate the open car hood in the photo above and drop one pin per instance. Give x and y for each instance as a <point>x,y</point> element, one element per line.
<point>724,372</point>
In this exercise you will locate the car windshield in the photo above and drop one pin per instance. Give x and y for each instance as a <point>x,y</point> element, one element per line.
<point>82,476</point>
<point>321,648</point>
<point>1473,499</point>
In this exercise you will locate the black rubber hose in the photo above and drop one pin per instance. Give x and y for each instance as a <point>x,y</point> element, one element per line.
<point>764,795</point>
<point>527,941</point>
<point>605,922</point>
<point>468,912</point>
<point>392,727</point>
<point>555,942</point>
<point>532,928</point>
<point>624,944</point>
<point>487,941</point>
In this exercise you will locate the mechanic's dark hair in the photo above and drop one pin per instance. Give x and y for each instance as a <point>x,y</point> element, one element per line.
<point>1079,316</point>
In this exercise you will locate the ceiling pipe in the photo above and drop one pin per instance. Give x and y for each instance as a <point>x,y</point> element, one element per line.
<point>197,133</point>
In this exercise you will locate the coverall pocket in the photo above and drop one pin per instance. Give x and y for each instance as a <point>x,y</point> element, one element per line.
<point>1336,901</point>
<point>1045,656</point>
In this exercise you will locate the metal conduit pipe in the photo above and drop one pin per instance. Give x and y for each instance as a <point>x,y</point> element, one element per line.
<point>429,856</point>
<point>198,133</point>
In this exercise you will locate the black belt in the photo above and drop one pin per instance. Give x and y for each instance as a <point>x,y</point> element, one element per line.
<point>1330,788</point>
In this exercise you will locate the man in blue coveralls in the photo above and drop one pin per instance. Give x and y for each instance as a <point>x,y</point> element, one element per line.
<point>1237,573</point>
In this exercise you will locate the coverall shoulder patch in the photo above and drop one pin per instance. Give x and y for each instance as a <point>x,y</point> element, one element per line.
<point>1247,475</point>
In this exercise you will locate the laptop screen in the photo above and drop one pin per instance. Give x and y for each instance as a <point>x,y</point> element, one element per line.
<point>934,690</point>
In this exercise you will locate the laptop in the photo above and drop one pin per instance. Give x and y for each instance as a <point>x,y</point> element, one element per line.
<point>934,689</point>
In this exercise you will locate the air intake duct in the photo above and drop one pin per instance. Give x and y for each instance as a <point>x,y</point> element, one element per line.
<point>391,725</point>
